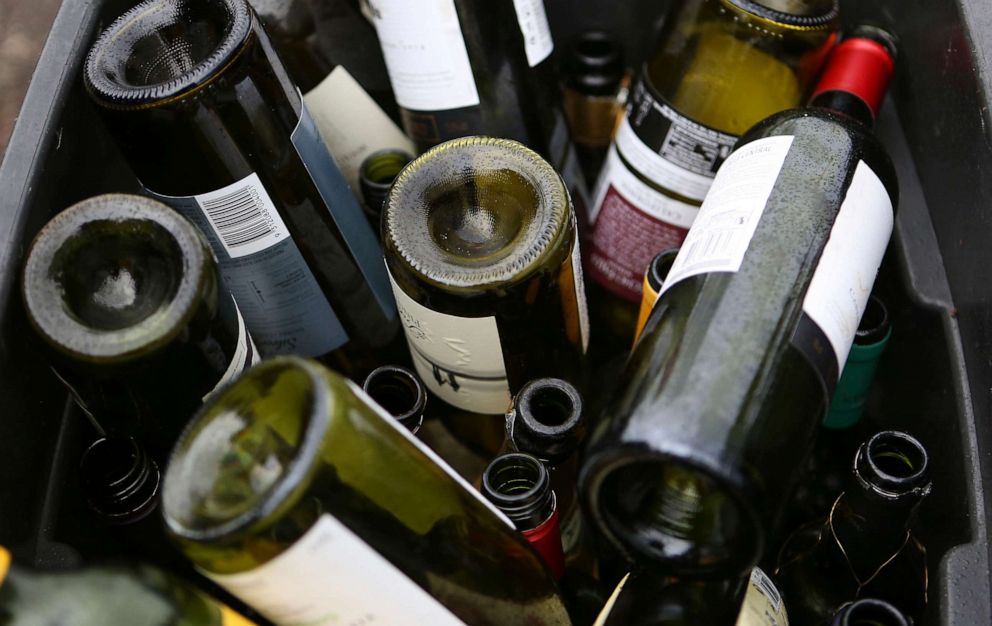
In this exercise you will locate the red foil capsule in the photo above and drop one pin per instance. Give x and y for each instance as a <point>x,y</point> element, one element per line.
<point>546,539</point>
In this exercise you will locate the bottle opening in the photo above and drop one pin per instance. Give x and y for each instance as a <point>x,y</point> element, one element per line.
<point>793,13</point>
<point>116,274</point>
<point>870,612</point>
<point>663,511</point>
<point>397,390</point>
<point>160,49</point>
<point>519,485</point>
<point>475,211</point>
<point>549,405</point>
<point>121,481</point>
<point>242,454</point>
<point>381,168</point>
<point>874,324</point>
<point>896,460</point>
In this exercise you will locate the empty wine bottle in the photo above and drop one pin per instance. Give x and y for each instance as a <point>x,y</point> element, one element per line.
<point>97,596</point>
<point>723,394</point>
<point>306,500</point>
<point>481,246</point>
<point>864,546</point>
<point>654,279</point>
<point>851,395</point>
<point>125,293</point>
<point>594,76</point>
<point>720,66</point>
<point>519,485</point>
<point>332,53</point>
<point>398,390</point>
<point>120,480</point>
<point>376,176</point>
<point>648,599</point>
<point>870,612</point>
<point>213,126</point>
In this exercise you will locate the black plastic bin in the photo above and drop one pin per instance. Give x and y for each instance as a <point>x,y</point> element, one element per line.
<point>934,381</point>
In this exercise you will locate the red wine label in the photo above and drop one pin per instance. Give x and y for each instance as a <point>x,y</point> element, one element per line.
<point>632,222</point>
<point>668,148</point>
<point>546,539</point>
<point>330,576</point>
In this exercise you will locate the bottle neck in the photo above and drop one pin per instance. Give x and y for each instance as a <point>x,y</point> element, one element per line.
<point>398,390</point>
<point>857,76</point>
<point>376,176</point>
<point>121,480</point>
<point>546,420</point>
<point>870,611</point>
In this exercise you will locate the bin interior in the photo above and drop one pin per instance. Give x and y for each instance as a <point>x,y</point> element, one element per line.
<point>937,133</point>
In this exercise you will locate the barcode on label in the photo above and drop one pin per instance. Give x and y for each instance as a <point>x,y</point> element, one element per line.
<point>244,217</point>
<point>764,584</point>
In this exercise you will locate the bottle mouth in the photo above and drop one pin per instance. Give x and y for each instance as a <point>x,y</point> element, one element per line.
<point>519,485</point>
<point>870,612</point>
<point>475,212</point>
<point>595,63</point>
<point>659,268</point>
<point>233,465</point>
<point>795,14</point>
<point>121,480</point>
<point>399,392</point>
<point>893,464</point>
<point>668,514</point>
<point>547,417</point>
<point>875,325</point>
<point>159,50</point>
<point>115,277</point>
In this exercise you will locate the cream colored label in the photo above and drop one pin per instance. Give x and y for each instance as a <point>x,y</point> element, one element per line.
<point>331,577</point>
<point>763,604</point>
<point>351,123</point>
<point>460,359</point>
<point>536,30</point>
<point>728,219</point>
<point>425,54</point>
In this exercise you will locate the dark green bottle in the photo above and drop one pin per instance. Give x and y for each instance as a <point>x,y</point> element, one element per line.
<point>376,176</point>
<point>308,502</point>
<point>726,389</point>
<point>864,546</point>
<point>98,596</point>
<point>125,293</point>
<point>870,612</point>
<point>481,245</point>
<point>400,393</point>
<point>212,125</point>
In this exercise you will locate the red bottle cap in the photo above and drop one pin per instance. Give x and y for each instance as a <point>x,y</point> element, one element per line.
<point>861,67</point>
<point>546,539</point>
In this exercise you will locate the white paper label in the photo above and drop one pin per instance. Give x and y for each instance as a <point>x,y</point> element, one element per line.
<point>460,359</point>
<point>455,476</point>
<point>537,32</point>
<point>762,603</point>
<point>425,54</point>
<point>243,217</point>
<point>730,214</point>
<point>839,291</point>
<point>245,355</point>
<point>351,123</point>
<point>580,294</point>
<point>331,577</point>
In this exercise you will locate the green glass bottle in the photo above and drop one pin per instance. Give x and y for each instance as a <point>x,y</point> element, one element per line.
<point>720,66</point>
<point>870,612</point>
<point>400,392</point>
<point>481,245</point>
<point>376,176</point>
<point>864,546</point>
<point>125,294</point>
<point>213,126</point>
<point>725,390</point>
<point>98,596</point>
<point>308,502</point>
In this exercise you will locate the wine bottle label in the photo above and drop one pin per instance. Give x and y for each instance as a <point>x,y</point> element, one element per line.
<point>341,203</point>
<point>425,54</point>
<point>329,577</point>
<point>245,356</point>
<point>842,283</point>
<point>284,307</point>
<point>762,603</point>
<point>460,359</point>
<point>351,123</point>
<point>631,222</point>
<point>537,32</point>
<point>668,148</point>
<point>728,218</point>
<point>428,452</point>
<point>604,613</point>
<point>580,295</point>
